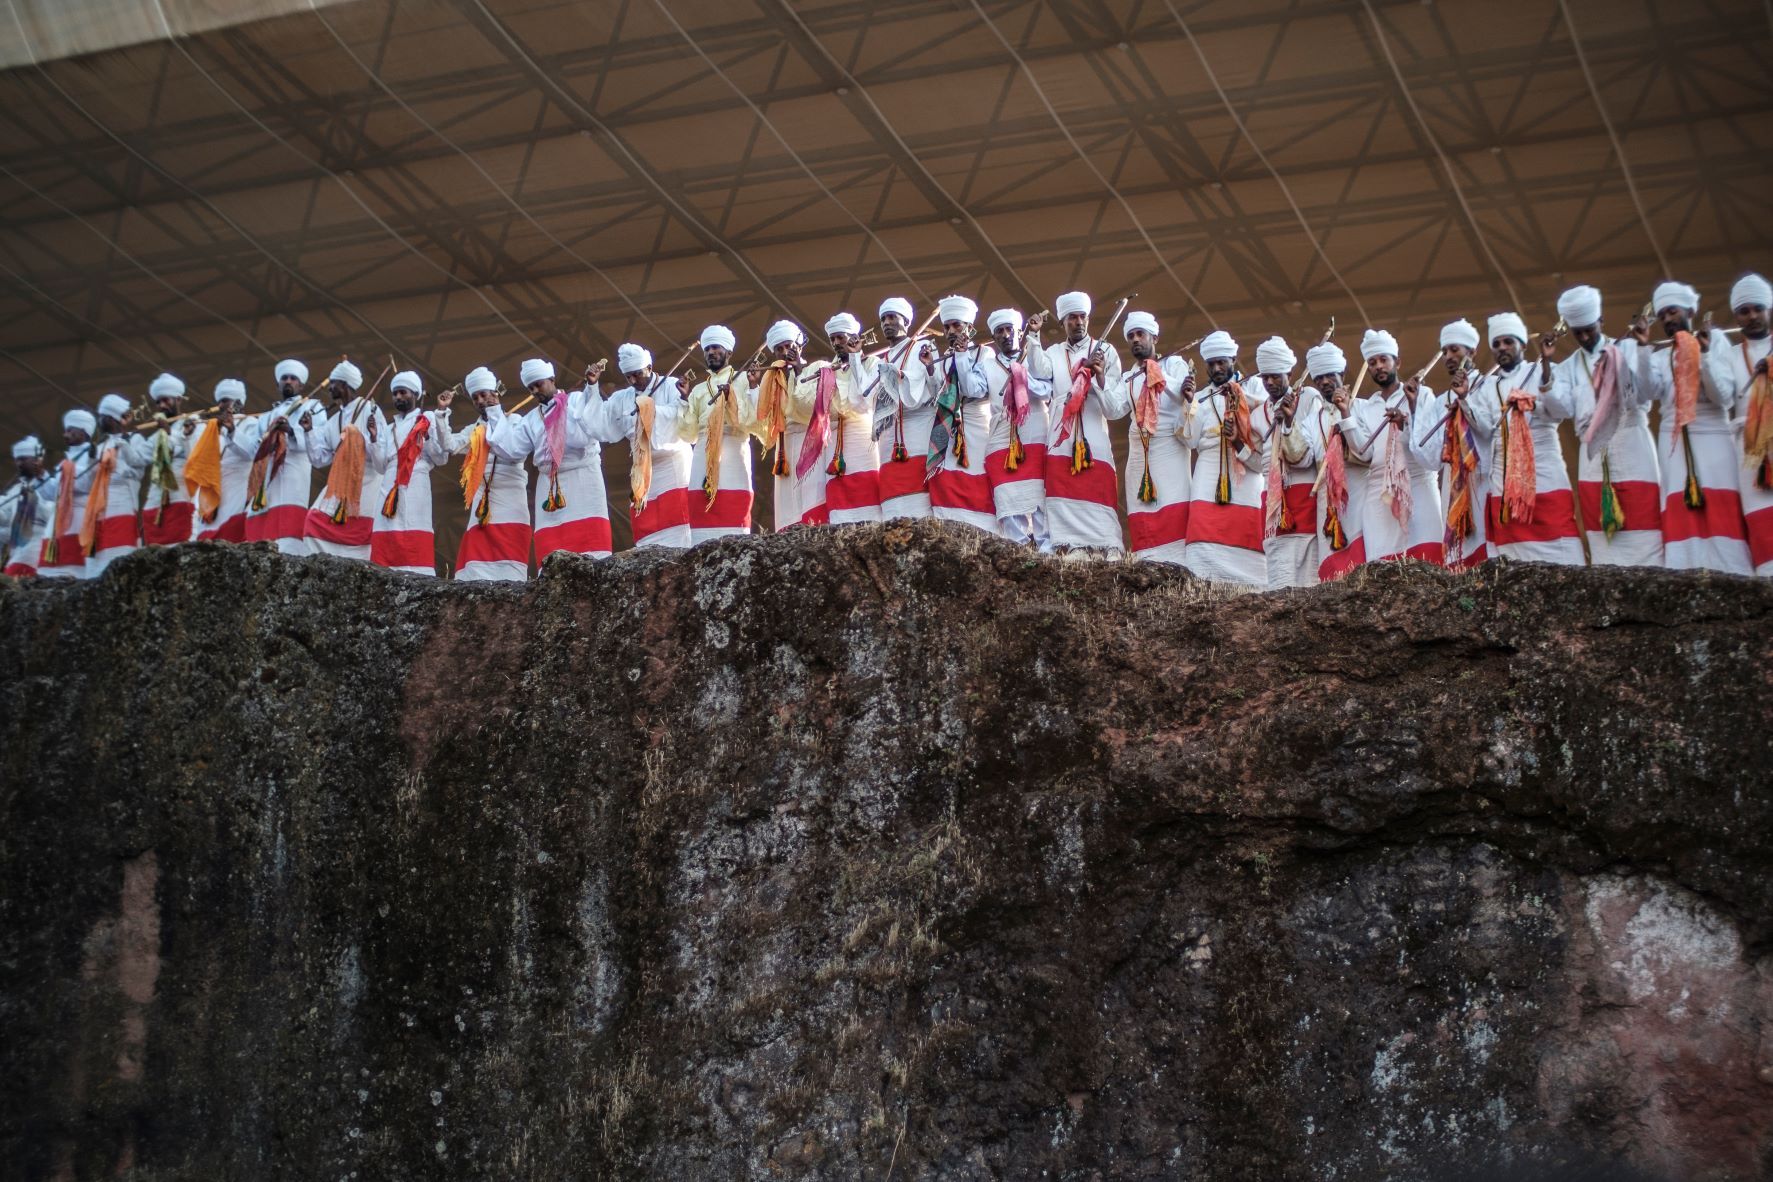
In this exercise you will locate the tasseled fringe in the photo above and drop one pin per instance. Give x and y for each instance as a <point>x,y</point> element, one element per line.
<point>208,515</point>
<point>51,551</point>
<point>256,479</point>
<point>1286,516</point>
<point>1017,455</point>
<point>1080,454</point>
<point>484,510</point>
<point>1764,475</point>
<point>711,486</point>
<point>1222,490</point>
<point>1147,489</point>
<point>1460,522</point>
<point>390,501</point>
<point>1612,519</point>
<point>837,466</point>
<point>1333,529</point>
<point>339,515</point>
<point>555,502</point>
<point>780,468</point>
<point>960,437</point>
<point>1692,495</point>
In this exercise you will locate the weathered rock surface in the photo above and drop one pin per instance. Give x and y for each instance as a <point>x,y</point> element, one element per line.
<point>881,852</point>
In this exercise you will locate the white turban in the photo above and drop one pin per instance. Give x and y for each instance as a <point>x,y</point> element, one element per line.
<point>291,369</point>
<point>957,307</point>
<point>347,373</point>
<point>1460,332</point>
<point>166,386</point>
<point>1275,356</point>
<point>80,420</point>
<point>1325,359</point>
<point>720,336</point>
<point>30,447</point>
<point>1674,295</point>
<point>1507,324</point>
<point>479,380</point>
<point>783,331</point>
<point>1751,291</point>
<point>113,406</point>
<point>631,358</point>
<point>1005,316</point>
<point>898,304</point>
<point>406,379</point>
<point>1218,345</point>
<point>1580,307</point>
<point>1072,301</point>
<point>232,388</point>
<point>843,322</point>
<point>1144,320</point>
<point>534,370</point>
<point>1376,341</point>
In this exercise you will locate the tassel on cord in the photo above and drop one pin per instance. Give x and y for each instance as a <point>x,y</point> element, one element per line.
<point>960,437</point>
<point>1333,528</point>
<point>1612,518</point>
<point>780,468</point>
<point>555,501</point>
<point>838,466</point>
<point>1692,495</point>
<point>485,509</point>
<point>1080,454</point>
<point>1222,490</point>
<point>1147,489</point>
<point>1017,454</point>
<point>391,501</point>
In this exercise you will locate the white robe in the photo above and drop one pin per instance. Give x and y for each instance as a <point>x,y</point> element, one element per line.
<point>853,497</point>
<point>1551,535</point>
<point>961,490</point>
<point>283,517</point>
<point>33,522</point>
<point>1019,497</point>
<point>1629,462</point>
<point>1225,541</point>
<point>1732,366</point>
<point>70,560</point>
<point>1422,537</point>
<point>905,411</point>
<point>727,513</point>
<point>580,525</point>
<point>405,541</point>
<point>166,512</point>
<point>495,549</point>
<point>1083,509</point>
<point>1325,430</point>
<point>1714,537</point>
<point>350,538</point>
<point>1158,530</point>
<point>119,530</point>
<point>800,500</point>
<point>664,519</point>
<point>230,512</point>
<point>1292,554</point>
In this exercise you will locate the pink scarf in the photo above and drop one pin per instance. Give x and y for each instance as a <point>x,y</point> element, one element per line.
<point>1081,377</point>
<point>1605,379</point>
<point>1394,478</point>
<point>818,427</point>
<point>554,430</point>
<point>1015,393</point>
<point>1274,496</point>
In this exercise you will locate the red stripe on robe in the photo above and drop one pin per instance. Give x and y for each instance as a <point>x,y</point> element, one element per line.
<point>1032,467</point>
<point>584,536</point>
<point>1336,564</point>
<point>495,542</point>
<point>115,532</point>
<point>1098,484</point>
<point>1721,517</point>
<point>168,526</point>
<point>1554,518</point>
<point>355,532</point>
<point>1159,527</point>
<point>852,490</point>
<point>1302,503</point>
<point>1639,500</point>
<point>1760,535</point>
<point>1239,526</point>
<point>280,521</point>
<point>967,491</point>
<point>732,509</point>
<point>404,547</point>
<point>663,511</point>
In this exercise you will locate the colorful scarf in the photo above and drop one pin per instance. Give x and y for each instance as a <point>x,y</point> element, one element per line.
<point>267,461</point>
<point>1757,427</point>
<point>1394,478</point>
<point>161,472</point>
<point>948,425</point>
<point>1683,367</point>
<point>64,511</point>
<point>1459,453</point>
<point>406,460</point>
<point>554,441</point>
<point>640,452</point>
<point>1070,421</point>
<point>203,471</point>
<point>1145,421</point>
<point>1603,378</point>
<point>1017,401</point>
<point>718,411</point>
<point>344,482</point>
<point>474,473</point>
<point>818,427</point>
<point>772,412</point>
<point>1234,429</point>
<point>97,501</point>
<point>1520,476</point>
<point>24,516</point>
<point>1334,482</point>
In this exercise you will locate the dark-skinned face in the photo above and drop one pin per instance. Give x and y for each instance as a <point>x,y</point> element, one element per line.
<point>289,387</point>
<point>1142,344</point>
<point>1005,336</point>
<point>1219,369</point>
<point>959,333</point>
<point>1454,358</point>
<point>1752,320</point>
<point>30,467</point>
<point>1326,383</point>
<point>167,406</point>
<point>892,326</point>
<point>1275,383</point>
<point>788,350</point>
<point>1588,337</point>
<point>842,342</point>
<point>231,405</point>
<point>716,357</point>
<point>1673,320</point>
<point>1383,367</point>
<point>338,390</point>
<point>640,379</point>
<point>544,389</point>
<point>74,436</point>
<point>404,400</point>
<point>1077,326</point>
<point>1506,351</point>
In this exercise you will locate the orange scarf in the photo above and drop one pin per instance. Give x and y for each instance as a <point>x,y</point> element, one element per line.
<point>344,483</point>
<point>474,472</point>
<point>772,412</point>
<point>1757,429</point>
<point>1394,478</point>
<point>1459,453</point>
<point>64,511</point>
<point>640,451</point>
<point>1145,420</point>
<point>1520,476</point>
<point>1335,482</point>
<point>1684,369</point>
<point>96,500</point>
<point>203,472</point>
<point>717,416</point>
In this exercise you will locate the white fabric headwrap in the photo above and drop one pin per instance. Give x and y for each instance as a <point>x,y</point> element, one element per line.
<point>1275,356</point>
<point>898,304</point>
<point>81,420</point>
<point>1460,332</point>
<point>1751,291</point>
<point>232,388</point>
<point>479,380</point>
<point>534,370</point>
<point>113,406</point>
<point>957,307</point>
<point>291,368</point>
<point>1376,341</point>
<point>347,373</point>
<point>166,386</point>
<point>1217,345</point>
<point>719,335</point>
<point>1674,295</point>
<point>783,331</point>
<point>1580,307</point>
<point>1507,324</point>
<point>1005,316</point>
<point>27,448</point>
<point>1325,359</point>
<point>406,379</point>
<point>631,358</point>
<point>1072,301</point>
<point>1144,320</point>
<point>843,322</point>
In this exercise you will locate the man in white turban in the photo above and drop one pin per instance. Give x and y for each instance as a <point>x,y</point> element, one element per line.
<point>111,525</point>
<point>1082,493</point>
<point>1702,514</point>
<point>275,445</point>
<point>562,436</point>
<point>1739,371</point>
<point>1401,515</point>
<point>415,442</point>
<point>341,522</point>
<point>495,492</point>
<point>60,556</point>
<point>718,420</point>
<point>1341,487</point>
<point>1159,393</point>
<point>960,389</point>
<point>1225,521</point>
<point>1619,482</point>
<point>648,413</point>
<point>851,459</point>
<point>1289,505</point>
<point>903,412</point>
<point>167,515</point>
<point>27,510</point>
<point>1530,510</point>
<point>1443,428</point>
<point>787,394</point>
<point>225,519</point>
<point>1020,377</point>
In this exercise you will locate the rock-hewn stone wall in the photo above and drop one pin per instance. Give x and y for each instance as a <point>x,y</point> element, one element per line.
<point>880,852</point>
